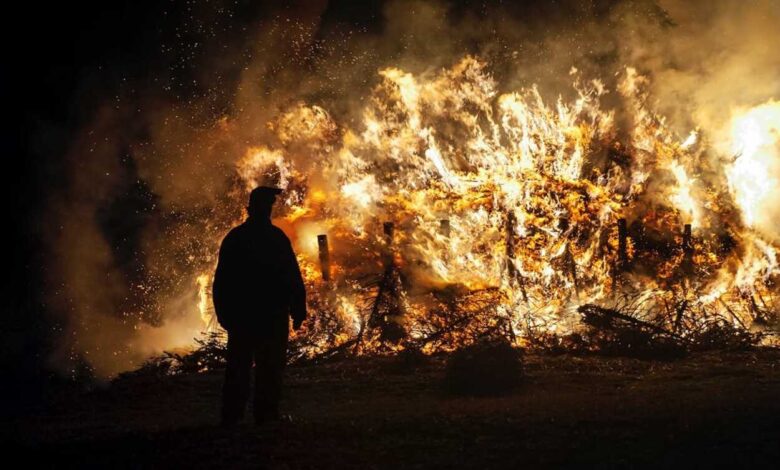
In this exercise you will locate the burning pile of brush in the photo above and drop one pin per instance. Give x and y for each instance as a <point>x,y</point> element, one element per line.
<point>452,213</point>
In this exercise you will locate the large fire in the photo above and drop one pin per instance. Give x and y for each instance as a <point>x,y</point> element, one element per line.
<point>451,199</point>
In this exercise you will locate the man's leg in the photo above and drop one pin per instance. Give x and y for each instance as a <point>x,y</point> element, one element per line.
<point>270,359</point>
<point>235,390</point>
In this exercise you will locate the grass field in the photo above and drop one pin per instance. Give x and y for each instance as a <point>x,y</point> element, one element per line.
<point>719,409</point>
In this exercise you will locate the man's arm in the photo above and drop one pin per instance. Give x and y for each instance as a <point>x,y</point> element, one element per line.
<point>220,289</point>
<point>298,289</point>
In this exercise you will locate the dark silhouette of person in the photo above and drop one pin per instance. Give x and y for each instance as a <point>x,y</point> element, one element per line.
<point>257,287</point>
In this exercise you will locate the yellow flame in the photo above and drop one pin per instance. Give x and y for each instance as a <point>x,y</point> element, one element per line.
<point>480,184</point>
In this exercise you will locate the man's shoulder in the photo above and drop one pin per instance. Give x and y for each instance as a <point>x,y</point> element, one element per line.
<point>235,234</point>
<point>246,232</point>
<point>279,232</point>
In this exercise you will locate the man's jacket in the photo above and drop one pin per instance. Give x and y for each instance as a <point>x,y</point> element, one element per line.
<point>258,282</point>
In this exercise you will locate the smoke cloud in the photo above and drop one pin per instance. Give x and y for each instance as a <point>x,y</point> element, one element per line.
<point>153,182</point>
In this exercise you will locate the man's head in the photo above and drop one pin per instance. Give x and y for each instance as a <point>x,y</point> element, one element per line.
<point>261,201</point>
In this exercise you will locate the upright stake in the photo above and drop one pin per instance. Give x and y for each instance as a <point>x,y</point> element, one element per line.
<point>510,254</point>
<point>386,312</point>
<point>569,258</point>
<point>687,244</point>
<point>622,256</point>
<point>510,245</point>
<point>622,245</point>
<point>386,288</point>
<point>444,227</point>
<point>687,247</point>
<point>322,244</point>
<point>388,228</point>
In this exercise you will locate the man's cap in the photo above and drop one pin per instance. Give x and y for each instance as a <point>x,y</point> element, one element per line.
<point>263,195</point>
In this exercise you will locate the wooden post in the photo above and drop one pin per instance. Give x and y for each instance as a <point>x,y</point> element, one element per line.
<point>322,244</point>
<point>445,230</point>
<point>622,245</point>
<point>444,227</point>
<point>687,270</point>
<point>510,254</point>
<point>687,247</point>
<point>388,228</point>
<point>571,266</point>
<point>622,255</point>
<point>510,245</point>
<point>387,310</point>
<point>687,244</point>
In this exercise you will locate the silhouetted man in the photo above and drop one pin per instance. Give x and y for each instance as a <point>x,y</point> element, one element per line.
<point>257,287</point>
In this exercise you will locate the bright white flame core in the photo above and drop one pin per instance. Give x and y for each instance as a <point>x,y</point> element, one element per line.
<point>753,177</point>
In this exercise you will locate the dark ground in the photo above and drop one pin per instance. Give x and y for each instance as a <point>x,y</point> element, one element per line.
<point>707,410</point>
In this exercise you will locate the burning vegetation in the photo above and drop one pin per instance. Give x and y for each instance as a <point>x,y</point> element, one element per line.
<point>453,213</point>
<point>444,206</point>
